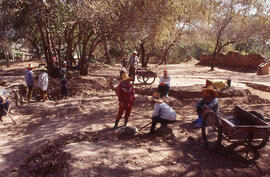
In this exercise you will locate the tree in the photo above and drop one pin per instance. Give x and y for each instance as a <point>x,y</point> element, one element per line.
<point>228,22</point>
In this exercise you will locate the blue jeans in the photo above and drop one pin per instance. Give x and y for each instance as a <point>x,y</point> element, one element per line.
<point>163,90</point>
<point>3,106</point>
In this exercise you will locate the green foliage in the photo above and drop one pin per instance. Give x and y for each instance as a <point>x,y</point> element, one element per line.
<point>201,48</point>
<point>18,55</point>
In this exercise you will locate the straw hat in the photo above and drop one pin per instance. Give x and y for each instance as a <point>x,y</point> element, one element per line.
<point>155,97</point>
<point>210,90</point>
<point>135,52</point>
<point>43,68</point>
<point>125,77</point>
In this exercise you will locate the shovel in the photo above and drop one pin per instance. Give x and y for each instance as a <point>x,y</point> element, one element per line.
<point>10,117</point>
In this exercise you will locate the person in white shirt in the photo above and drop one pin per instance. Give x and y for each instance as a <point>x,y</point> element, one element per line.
<point>133,64</point>
<point>162,114</point>
<point>164,84</point>
<point>43,81</point>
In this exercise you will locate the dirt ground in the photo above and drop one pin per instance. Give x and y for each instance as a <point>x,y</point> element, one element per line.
<point>74,137</point>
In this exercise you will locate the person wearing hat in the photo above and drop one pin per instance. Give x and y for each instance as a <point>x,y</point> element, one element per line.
<point>209,98</point>
<point>164,84</point>
<point>29,78</point>
<point>63,77</point>
<point>43,80</point>
<point>133,64</point>
<point>162,114</point>
<point>126,98</point>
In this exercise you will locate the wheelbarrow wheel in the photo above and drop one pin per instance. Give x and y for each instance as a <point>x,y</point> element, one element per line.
<point>258,143</point>
<point>211,131</point>
<point>140,79</point>
<point>149,80</point>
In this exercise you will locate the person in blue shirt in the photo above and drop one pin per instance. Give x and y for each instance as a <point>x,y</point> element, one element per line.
<point>210,99</point>
<point>29,78</point>
<point>4,105</point>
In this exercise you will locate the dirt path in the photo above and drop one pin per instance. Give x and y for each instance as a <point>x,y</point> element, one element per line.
<point>178,152</point>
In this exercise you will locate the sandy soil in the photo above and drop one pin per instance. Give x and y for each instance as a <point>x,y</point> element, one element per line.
<point>77,131</point>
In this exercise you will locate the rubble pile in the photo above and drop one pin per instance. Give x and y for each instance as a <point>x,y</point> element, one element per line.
<point>78,85</point>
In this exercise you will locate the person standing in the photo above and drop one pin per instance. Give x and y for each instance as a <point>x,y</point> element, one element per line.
<point>209,98</point>
<point>164,84</point>
<point>162,114</point>
<point>133,64</point>
<point>63,77</point>
<point>126,98</point>
<point>43,81</point>
<point>29,78</point>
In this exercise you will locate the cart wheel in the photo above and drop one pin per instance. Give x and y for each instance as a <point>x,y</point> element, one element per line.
<point>257,114</point>
<point>211,131</point>
<point>149,80</point>
<point>258,143</point>
<point>140,79</point>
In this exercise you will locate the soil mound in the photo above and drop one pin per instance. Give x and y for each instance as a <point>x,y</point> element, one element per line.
<point>78,85</point>
<point>234,59</point>
<point>183,92</point>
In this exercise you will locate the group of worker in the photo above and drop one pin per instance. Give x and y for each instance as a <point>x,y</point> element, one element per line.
<point>163,113</point>
<point>43,81</point>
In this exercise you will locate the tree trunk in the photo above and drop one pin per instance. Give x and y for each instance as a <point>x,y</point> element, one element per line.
<point>69,42</point>
<point>144,63</point>
<point>215,53</point>
<point>69,50</point>
<point>93,47</point>
<point>37,51</point>
<point>59,51</point>
<point>53,46</point>
<point>7,59</point>
<point>106,51</point>
<point>147,60</point>
<point>213,63</point>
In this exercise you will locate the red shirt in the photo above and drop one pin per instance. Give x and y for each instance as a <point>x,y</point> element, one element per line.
<point>125,93</point>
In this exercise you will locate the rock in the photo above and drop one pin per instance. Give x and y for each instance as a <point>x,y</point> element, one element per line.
<point>263,69</point>
<point>126,132</point>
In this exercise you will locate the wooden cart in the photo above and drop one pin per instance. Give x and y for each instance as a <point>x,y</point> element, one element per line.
<point>242,127</point>
<point>146,76</point>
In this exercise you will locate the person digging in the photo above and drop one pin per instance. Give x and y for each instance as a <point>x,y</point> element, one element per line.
<point>209,98</point>
<point>162,114</point>
<point>126,98</point>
